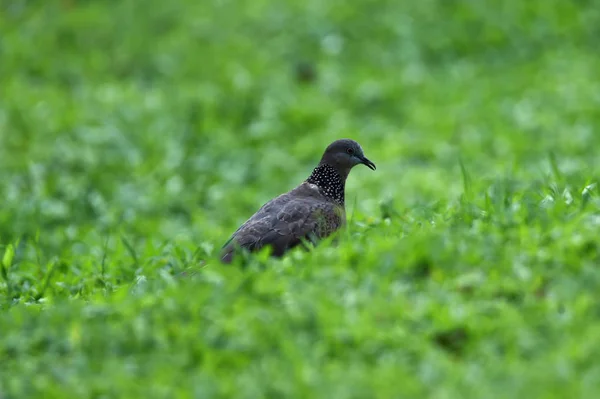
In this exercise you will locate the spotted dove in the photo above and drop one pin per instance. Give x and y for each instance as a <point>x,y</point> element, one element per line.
<point>309,212</point>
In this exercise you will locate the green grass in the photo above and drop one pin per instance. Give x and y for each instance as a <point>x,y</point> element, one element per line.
<point>136,136</point>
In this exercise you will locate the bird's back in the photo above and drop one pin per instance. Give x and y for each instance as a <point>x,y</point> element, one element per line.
<point>303,213</point>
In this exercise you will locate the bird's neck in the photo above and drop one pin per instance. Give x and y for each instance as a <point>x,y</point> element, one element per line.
<point>330,182</point>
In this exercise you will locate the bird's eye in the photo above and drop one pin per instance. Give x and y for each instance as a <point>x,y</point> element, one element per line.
<point>350,151</point>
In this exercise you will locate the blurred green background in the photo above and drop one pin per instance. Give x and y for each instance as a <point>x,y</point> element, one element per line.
<point>135,136</point>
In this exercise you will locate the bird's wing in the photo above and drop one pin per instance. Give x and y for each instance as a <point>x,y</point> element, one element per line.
<point>284,223</point>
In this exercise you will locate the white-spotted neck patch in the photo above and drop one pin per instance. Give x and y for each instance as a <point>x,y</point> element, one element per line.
<point>329,181</point>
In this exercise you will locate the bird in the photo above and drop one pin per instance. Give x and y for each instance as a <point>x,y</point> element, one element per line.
<point>312,211</point>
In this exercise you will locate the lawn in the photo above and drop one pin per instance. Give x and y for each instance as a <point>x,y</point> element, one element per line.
<point>135,137</point>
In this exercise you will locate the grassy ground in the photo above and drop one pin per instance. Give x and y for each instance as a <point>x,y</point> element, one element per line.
<point>136,136</point>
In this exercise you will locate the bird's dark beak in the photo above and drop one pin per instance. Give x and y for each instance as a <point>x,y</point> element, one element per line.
<point>367,163</point>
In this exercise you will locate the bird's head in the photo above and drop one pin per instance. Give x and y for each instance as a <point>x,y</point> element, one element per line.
<point>344,154</point>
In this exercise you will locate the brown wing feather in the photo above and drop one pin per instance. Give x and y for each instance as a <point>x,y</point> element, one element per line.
<point>285,222</point>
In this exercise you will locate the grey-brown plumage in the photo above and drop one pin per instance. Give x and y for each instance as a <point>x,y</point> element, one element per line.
<point>311,211</point>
